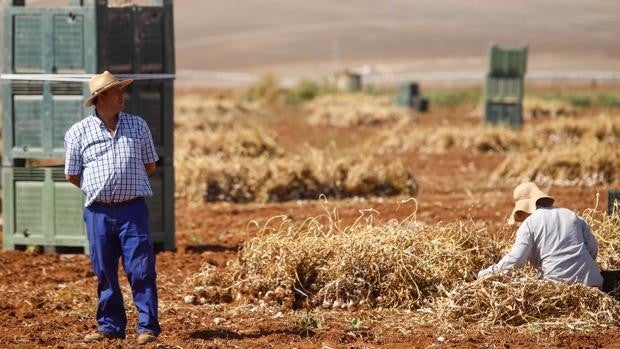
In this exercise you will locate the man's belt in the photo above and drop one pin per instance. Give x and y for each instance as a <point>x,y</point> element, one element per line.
<point>119,203</point>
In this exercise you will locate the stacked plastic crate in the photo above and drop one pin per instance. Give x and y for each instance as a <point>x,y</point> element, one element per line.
<point>409,96</point>
<point>48,55</point>
<point>503,90</point>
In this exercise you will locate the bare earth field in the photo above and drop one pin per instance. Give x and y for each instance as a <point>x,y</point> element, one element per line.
<point>49,300</point>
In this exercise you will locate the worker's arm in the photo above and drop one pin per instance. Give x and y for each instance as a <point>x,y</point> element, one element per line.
<point>589,239</point>
<point>73,179</point>
<point>150,168</point>
<point>73,157</point>
<point>518,255</point>
<point>149,155</point>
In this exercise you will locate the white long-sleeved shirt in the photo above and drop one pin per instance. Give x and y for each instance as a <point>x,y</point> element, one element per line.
<point>558,243</point>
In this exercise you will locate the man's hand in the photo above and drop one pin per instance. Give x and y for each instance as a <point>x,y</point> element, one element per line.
<point>150,168</point>
<point>73,179</point>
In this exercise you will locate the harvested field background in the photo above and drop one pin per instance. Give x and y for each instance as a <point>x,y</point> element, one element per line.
<point>379,269</point>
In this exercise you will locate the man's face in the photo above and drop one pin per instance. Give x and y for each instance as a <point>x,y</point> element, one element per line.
<point>112,99</point>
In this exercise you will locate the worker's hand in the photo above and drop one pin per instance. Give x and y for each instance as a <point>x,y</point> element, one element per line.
<point>485,272</point>
<point>73,179</point>
<point>150,168</point>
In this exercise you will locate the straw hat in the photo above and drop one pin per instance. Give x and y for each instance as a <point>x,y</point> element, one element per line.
<point>102,82</point>
<point>526,195</point>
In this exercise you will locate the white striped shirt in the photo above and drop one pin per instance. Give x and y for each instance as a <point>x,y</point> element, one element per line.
<point>111,168</point>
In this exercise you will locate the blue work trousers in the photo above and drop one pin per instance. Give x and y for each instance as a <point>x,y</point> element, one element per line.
<point>123,231</point>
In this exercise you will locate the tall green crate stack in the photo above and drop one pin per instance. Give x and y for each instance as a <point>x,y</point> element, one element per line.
<point>86,37</point>
<point>504,85</point>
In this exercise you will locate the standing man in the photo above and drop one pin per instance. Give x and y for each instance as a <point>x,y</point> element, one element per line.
<point>109,156</point>
<point>557,242</point>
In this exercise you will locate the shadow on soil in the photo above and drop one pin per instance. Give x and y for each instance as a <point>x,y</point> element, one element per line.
<point>210,248</point>
<point>227,334</point>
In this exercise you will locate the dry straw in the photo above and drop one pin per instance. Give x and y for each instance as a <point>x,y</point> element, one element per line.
<point>321,263</point>
<point>220,155</point>
<point>486,138</point>
<point>606,228</point>
<point>522,300</point>
<point>538,108</point>
<point>194,111</point>
<point>237,141</point>
<point>265,179</point>
<point>216,131</point>
<point>591,163</point>
<point>402,138</point>
<point>221,126</point>
<point>345,110</point>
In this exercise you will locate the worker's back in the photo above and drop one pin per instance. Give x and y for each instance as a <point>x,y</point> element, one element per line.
<point>564,247</point>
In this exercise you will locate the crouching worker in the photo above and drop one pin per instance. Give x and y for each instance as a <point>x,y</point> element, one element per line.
<point>557,242</point>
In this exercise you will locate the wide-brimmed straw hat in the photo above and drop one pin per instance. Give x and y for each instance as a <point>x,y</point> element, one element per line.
<point>102,82</point>
<point>526,195</point>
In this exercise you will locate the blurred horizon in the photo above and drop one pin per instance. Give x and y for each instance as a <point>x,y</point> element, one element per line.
<point>295,39</point>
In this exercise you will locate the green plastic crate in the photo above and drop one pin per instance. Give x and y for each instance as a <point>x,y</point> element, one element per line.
<point>507,114</point>
<point>408,96</point>
<point>405,93</point>
<point>153,100</point>
<point>49,40</point>
<point>38,114</point>
<point>41,208</point>
<point>148,48</point>
<point>504,86</point>
<point>504,90</point>
<point>161,207</point>
<point>84,37</point>
<point>88,37</point>
<point>507,62</point>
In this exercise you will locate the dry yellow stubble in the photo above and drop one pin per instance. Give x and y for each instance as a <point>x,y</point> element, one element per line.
<point>589,163</point>
<point>220,126</point>
<point>606,228</point>
<point>193,111</point>
<point>537,108</point>
<point>346,110</point>
<point>266,179</point>
<point>321,263</point>
<point>222,157</point>
<point>520,299</point>
<point>485,138</point>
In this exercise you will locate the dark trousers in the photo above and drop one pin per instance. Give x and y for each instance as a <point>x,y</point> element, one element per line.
<point>123,232</point>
